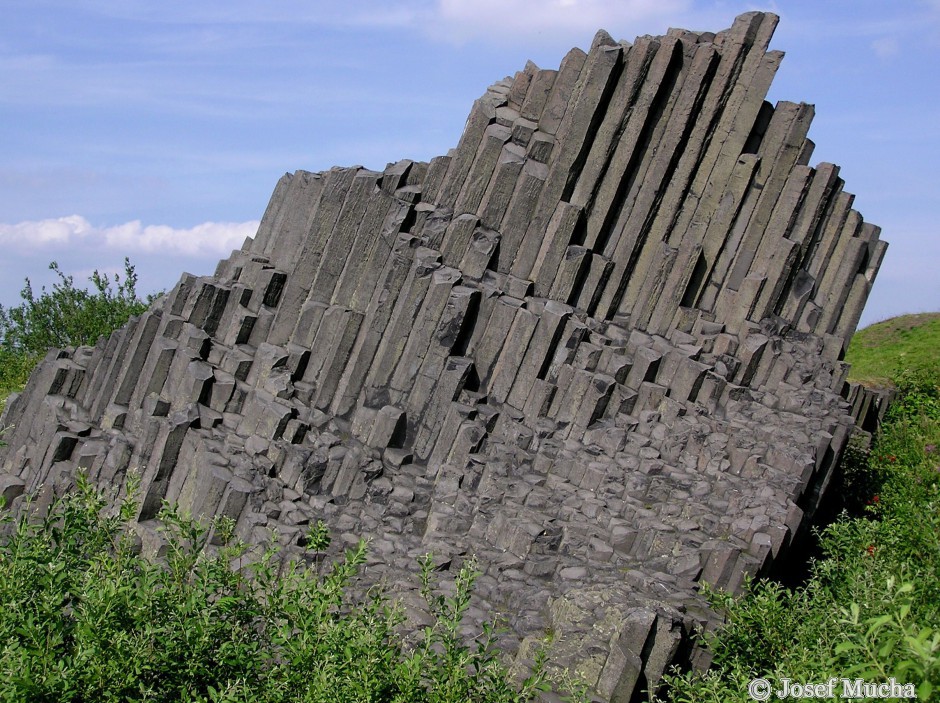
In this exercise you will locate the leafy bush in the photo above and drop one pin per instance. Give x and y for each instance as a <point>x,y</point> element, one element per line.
<point>85,617</point>
<point>66,316</point>
<point>69,316</point>
<point>919,388</point>
<point>871,608</point>
<point>15,367</point>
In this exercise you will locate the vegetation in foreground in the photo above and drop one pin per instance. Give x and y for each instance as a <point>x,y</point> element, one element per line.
<point>66,316</point>
<point>871,608</point>
<point>85,617</point>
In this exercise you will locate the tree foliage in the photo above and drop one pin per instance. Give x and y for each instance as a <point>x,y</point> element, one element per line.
<point>66,316</point>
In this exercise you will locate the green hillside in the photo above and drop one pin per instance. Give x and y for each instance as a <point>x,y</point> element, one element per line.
<point>879,351</point>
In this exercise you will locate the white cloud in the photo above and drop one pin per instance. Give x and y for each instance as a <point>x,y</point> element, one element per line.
<point>209,239</point>
<point>478,18</point>
<point>886,47</point>
<point>28,235</point>
<point>464,19</point>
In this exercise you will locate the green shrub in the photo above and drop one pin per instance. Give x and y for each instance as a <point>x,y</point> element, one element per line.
<point>85,617</point>
<point>15,367</point>
<point>66,316</point>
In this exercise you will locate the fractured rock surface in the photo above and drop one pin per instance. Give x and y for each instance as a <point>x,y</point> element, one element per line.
<point>598,345</point>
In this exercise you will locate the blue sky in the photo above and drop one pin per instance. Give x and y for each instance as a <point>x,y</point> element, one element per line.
<point>158,130</point>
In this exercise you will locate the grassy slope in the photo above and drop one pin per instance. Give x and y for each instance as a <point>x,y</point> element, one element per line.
<point>879,351</point>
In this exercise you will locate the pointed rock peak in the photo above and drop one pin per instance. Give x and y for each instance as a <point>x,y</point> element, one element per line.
<point>602,38</point>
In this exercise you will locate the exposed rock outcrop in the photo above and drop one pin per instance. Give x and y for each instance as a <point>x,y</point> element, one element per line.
<point>598,345</point>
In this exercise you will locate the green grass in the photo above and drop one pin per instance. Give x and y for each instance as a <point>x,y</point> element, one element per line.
<point>879,352</point>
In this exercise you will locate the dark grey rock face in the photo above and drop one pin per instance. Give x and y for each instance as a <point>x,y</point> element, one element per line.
<point>597,344</point>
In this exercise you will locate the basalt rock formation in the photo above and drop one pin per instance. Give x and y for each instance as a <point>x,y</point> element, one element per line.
<point>598,345</point>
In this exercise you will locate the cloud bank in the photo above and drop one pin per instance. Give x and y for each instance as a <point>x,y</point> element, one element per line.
<point>513,20</point>
<point>209,239</point>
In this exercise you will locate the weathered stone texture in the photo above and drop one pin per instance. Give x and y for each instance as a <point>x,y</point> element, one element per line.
<point>598,345</point>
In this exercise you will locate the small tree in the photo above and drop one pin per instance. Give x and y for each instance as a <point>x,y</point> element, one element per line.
<point>66,316</point>
<point>69,316</point>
